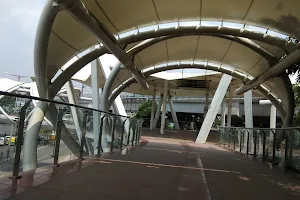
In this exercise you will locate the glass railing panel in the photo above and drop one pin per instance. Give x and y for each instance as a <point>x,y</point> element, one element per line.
<point>106,138</point>
<point>131,131</point>
<point>8,146</point>
<point>259,143</point>
<point>64,132</point>
<point>91,129</point>
<point>234,139</point>
<point>69,119</point>
<point>294,150</point>
<point>280,146</point>
<point>120,135</point>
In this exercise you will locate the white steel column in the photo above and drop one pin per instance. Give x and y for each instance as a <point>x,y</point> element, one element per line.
<point>158,109</point>
<point>213,108</point>
<point>206,100</point>
<point>174,116</point>
<point>273,116</point>
<point>248,109</point>
<point>229,106</point>
<point>95,102</point>
<point>75,112</point>
<point>248,118</point>
<point>153,110</point>
<point>223,109</point>
<point>272,120</point>
<point>163,114</point>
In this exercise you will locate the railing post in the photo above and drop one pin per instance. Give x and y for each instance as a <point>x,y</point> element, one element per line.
<point>140,130</point>
<point>248,138</point>
<point>134,132</point>
<point>83,139</point>
<point>122,134</point>
<point>22,114</point>
<point>234,139</point>
<point>100,136</point>
<point>286,151</point>
<point>59,122</point>
<point>219,132</point>
<point>223,136</point>
<point>274,148</point>
<point>229,136</point>
<point>264,145</point>
<point>241,140</point>
<point>113,134</point>
<point>129,132</point>
<point>291,147</point>
<point>137,132</point>
<point>255,142</point>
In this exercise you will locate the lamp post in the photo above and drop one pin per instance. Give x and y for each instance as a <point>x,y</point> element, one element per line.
<point>18,77</point>
<point>82,87</point>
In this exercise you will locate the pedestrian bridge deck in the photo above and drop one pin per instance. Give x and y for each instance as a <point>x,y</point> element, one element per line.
<point>160,168</point>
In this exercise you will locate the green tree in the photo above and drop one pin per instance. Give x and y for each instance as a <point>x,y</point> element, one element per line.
<point>8,103</point>
<point>296,121</point>
<point>145,109</point>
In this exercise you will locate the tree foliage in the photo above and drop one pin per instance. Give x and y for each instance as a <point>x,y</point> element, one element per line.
<point>144,110</point>
<point>296,89</point>
<point>8,103</point>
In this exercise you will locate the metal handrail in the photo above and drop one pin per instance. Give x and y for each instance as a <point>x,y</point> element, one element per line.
<point>261,142</point>
<point>59,122</point>
<point>56,102</point>
<point>256,128</point>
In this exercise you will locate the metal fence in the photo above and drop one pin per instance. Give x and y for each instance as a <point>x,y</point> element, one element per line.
<point>279,146</point>
<point>68,124</point>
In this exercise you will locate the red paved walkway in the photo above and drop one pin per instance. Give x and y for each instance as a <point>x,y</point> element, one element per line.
<point>159,169</point>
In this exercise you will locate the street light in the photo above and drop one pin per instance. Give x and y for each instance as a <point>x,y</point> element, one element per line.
<point>16,75</point>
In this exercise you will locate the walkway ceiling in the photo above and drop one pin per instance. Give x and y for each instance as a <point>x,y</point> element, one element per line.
<point>120,16</point>
<point>273,25</point>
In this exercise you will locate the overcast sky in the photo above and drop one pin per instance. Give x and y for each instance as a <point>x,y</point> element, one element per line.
<point>18,22</point>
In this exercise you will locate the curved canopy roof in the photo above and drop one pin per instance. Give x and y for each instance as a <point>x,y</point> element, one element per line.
<point>196,29</point>
<point>125,18</point>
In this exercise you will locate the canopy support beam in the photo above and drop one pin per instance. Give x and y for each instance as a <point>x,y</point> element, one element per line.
<point>278,68</point>
<point>77,9</point>
<point>214,108</point>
